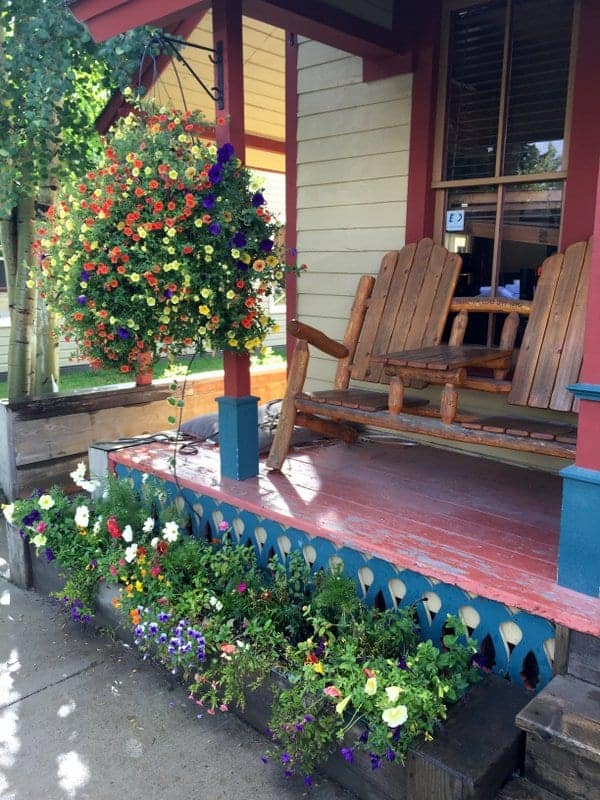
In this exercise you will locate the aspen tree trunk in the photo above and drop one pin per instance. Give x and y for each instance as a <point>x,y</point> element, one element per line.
<point>17,237</point>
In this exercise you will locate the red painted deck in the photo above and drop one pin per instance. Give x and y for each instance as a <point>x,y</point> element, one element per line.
<point>489,528</point>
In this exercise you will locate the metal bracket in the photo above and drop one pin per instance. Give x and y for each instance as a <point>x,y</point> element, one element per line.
<point>216,93</point>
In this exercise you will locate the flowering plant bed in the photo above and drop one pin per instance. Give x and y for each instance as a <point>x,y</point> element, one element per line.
<point>165,245</point>
<point>357,679</point>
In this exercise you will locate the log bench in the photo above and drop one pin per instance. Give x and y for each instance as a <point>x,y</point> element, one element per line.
<point>385,344</point>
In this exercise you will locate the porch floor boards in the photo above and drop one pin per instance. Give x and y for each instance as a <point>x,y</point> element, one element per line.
<point>487,527</point>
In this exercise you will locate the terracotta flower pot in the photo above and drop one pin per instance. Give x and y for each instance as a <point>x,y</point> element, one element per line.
<point>144,368</point>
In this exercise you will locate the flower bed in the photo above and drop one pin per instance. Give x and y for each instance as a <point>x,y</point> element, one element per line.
<point>358,681</point>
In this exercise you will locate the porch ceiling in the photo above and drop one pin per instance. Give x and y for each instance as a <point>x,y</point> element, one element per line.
<point>488,528</point>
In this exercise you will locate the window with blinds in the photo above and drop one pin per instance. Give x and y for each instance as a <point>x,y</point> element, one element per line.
<point>501,160</point>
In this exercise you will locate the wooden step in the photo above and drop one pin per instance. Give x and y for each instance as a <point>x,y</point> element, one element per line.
<point>584,657</point>
<point>522,789</point>
<point>563,738</point>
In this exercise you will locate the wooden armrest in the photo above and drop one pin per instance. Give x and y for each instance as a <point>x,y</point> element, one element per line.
<point>497,305</point>
<point>317,338</point>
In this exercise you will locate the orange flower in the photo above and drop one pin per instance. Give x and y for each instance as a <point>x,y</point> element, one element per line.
<point>135,616</point>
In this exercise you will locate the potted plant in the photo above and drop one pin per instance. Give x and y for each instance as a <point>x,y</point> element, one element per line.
<point>166,245</point>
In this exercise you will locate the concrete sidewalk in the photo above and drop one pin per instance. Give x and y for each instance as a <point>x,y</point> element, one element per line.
<point>83,718</point>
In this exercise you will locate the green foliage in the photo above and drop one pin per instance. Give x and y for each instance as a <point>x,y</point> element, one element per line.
<point>55,82</point>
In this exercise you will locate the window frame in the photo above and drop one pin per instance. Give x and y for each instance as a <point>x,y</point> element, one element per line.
<point>440,185</point>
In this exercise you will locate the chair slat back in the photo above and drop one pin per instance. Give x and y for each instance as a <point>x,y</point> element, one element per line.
<point>408,306</point>
<point>552,349</point>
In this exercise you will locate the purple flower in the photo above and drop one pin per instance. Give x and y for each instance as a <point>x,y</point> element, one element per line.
<point>389,754</point>
<point>122,333</point>
<point>49,554</point>
<point>29,519</point>
<point>208,201</point>
<point>375,760</point>
<point>364,737</point>
<point>215,174</point>
<point>214,228</point>
<point>285,758</point>
<point>257,200</point>
<point>307,780</point>
<point>225,152</point>
<point>266,245</point>
<point>82,299</point>
<point>168,293</point>
<point>299,727</point>
<point>264,759</point>
<point>238,239</point>
<point>480,660</point>
<point>309,718</point>
<point>84,276</point>
<point>293,251</point>
<point>348,753</point>
<point>288,773</point>
<point>402,663</point>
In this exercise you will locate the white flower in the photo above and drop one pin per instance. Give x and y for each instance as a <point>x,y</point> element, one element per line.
<point>154,542</point>
<point>396,716</point>
<point>170,531</point>
<point>127,534</point>
<point>97,525</point>
<point>216,604</point>
<point>371,686</point>
<point>78,474</point>
<point>46,502</point>
<point>82,516</point>
<point>9,511</point>
<point>148,525</point>
<point>39,540</point>
<point>393,693</point>
<point>131,552</point>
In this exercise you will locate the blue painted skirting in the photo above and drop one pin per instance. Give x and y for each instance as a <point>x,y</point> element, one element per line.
<point>515,635</point>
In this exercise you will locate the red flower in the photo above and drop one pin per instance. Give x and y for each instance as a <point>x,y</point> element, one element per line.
<point>113,527</point>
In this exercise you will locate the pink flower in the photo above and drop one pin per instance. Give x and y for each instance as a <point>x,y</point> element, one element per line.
<point>223,525</point>
<point>112,569</point>
<point>241,587</point>
<point>223,707</point>
<point>40,527</point>
<point>332,691</point>
<point>228,648</point>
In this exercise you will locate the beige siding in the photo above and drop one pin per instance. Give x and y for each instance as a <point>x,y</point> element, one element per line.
<point>353,140</point>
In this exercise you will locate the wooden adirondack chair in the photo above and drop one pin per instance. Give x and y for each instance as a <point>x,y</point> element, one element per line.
<point>405,307</point>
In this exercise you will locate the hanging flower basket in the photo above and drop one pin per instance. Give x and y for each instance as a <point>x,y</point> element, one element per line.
<point>166,245</point>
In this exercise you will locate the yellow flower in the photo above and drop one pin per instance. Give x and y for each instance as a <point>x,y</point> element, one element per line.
<point>341,706</point>
<point>204,310</point>
<point>230,294</point>
<point>151,301</point>
<point>235,253</point>
<point>134,277</point>
<point>139,586</point>
<point>371,686</point>
<point>318,668</point>
<point>173,175</point>
<point>395,716</point>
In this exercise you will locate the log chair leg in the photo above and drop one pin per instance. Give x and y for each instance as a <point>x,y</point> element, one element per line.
<point>449,403</point>
<point>287,418</point>
<point>396,396</point>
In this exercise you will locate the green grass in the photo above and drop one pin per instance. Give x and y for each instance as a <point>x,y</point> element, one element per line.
<point>77,378</point>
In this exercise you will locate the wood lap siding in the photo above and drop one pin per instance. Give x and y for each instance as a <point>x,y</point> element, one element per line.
<point>353,142</point>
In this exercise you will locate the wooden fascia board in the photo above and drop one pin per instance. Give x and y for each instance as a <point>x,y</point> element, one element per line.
<point>323,23</point>
<point>106,18</point>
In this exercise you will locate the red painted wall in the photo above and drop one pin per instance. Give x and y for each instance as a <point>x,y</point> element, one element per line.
<point>584,149</point>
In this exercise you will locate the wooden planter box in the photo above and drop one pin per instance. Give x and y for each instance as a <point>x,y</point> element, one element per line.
<point>476,750</point>
<point>44,439</point>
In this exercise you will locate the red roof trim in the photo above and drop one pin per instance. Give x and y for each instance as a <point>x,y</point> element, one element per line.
<point>311,18</point>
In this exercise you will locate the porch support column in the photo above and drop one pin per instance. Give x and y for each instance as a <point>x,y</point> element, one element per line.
<point>579,545</point>
<point>238,409</point>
